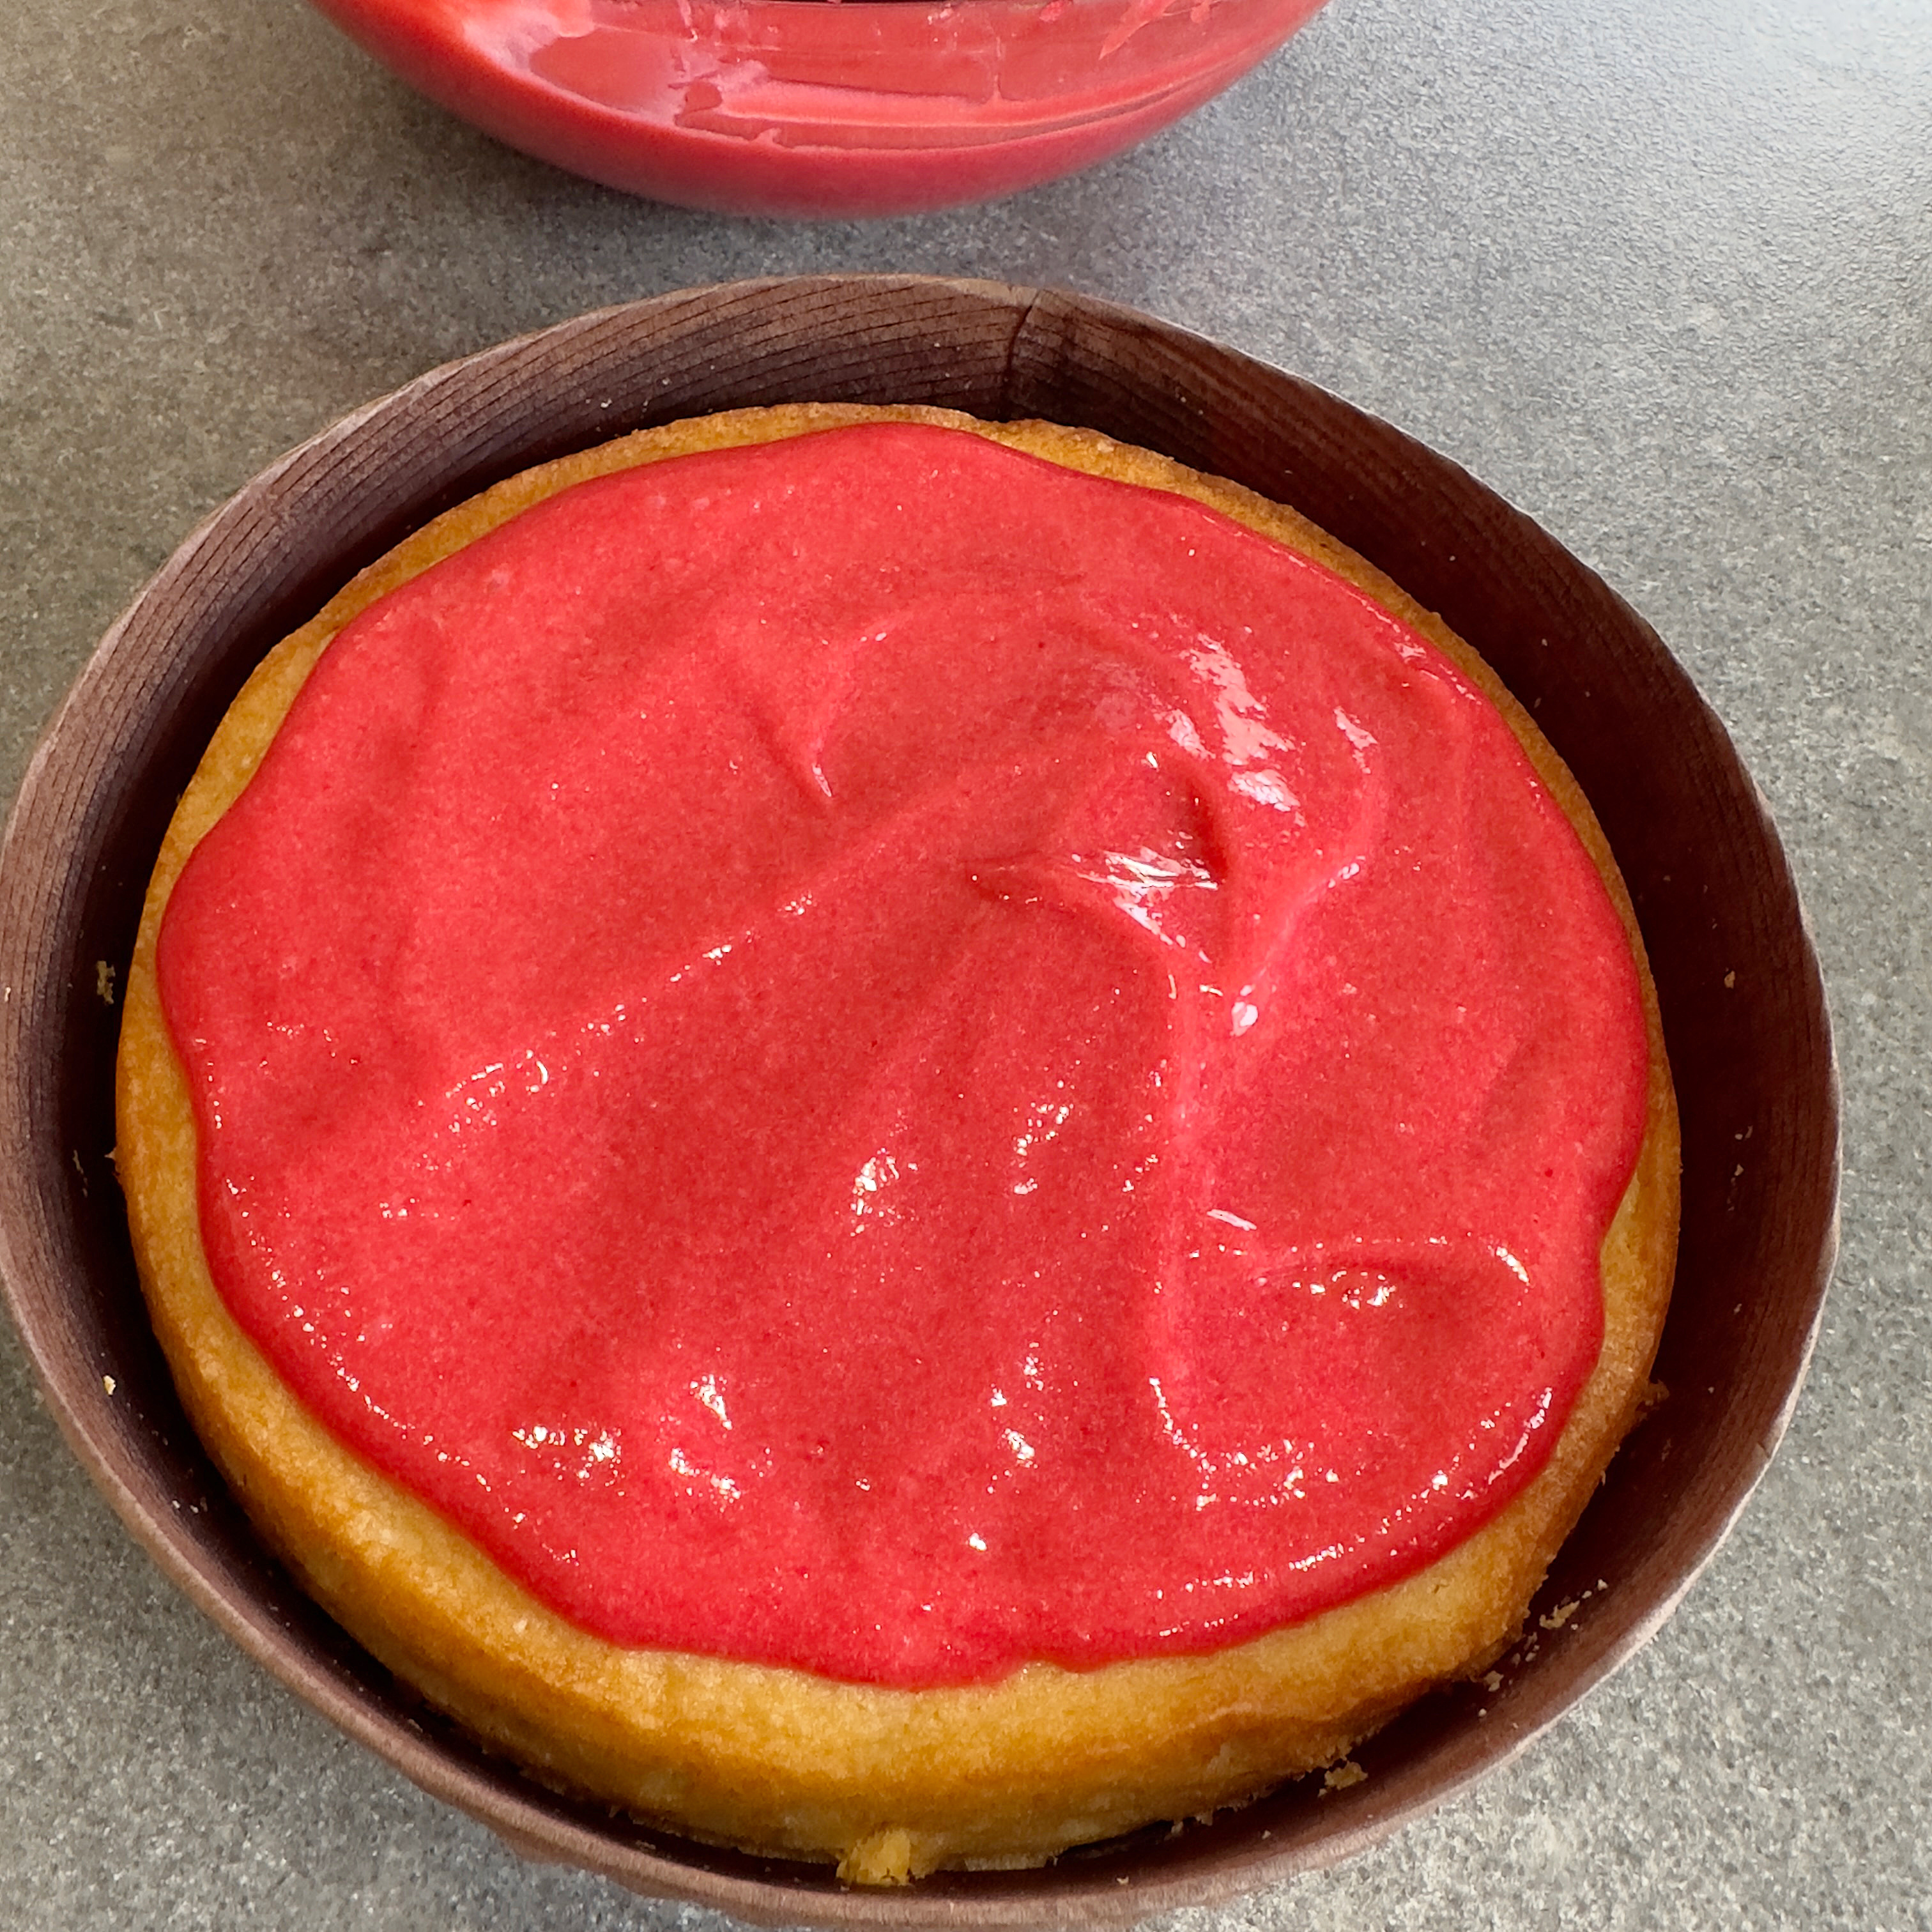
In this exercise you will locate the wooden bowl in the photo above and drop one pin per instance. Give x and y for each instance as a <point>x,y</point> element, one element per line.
<point>1744,1009</point>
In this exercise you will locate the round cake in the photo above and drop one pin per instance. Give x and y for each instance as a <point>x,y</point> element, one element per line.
<point>899,1140</point>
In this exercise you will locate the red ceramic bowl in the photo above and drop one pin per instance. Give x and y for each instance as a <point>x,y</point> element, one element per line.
<point>820,107</point>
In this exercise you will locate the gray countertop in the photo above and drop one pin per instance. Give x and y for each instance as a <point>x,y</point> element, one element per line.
<point>1662,275</point>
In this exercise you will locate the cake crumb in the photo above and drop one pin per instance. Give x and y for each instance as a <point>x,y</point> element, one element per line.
<point>1339,1777</point>
<point>1559,1616</point>
<point>107,1383</point>
<point>882,1858</point>
<point>1493,1681</point>
<point>1730,978</point>
<point>103,982</point>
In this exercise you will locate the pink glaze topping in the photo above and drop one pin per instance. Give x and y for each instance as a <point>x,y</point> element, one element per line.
<point>872,1055</point>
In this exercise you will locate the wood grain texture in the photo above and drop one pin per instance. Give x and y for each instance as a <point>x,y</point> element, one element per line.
<point>1744,1008</point>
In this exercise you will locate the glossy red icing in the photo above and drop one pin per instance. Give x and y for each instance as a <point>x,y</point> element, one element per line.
<point>872,1055</point>
<point>820,107</point>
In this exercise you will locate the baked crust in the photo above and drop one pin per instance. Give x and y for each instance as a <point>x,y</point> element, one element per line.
<point>891,1782</point>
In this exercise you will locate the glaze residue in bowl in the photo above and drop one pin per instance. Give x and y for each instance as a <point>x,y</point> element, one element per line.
<point>820,107</point>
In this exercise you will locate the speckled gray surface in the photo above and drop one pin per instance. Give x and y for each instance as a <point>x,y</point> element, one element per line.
<point>1662,275</point>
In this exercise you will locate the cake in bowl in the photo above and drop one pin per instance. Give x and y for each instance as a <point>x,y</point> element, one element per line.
<point>899,1140</point>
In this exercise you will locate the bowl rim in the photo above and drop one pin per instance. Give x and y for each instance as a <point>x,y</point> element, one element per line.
<point>518,402</point>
